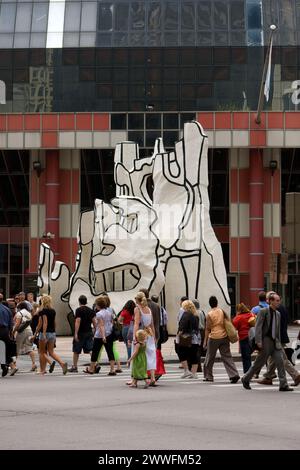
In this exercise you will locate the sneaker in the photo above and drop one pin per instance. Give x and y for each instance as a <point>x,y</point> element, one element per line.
<point>4,368</point>
<point>119,371</point>
<point>65,368</point>
<point>208,380</point>
<point>13,371</point>
<point>97,368</point>
<point>186,374</point>
<point>51,368</point>
<point>73,369</point>
<point>286,389</point>
<point>112,373</point>
<point>193,376</point>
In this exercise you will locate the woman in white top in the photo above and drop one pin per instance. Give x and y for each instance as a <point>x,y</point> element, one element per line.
<point>143,319</point>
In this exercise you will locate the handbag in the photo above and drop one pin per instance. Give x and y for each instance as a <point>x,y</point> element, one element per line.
<point>252,321</point>
<point>185,339</point>
<point>163,331</point>
<point>116,330</point>
<point>230,329</point>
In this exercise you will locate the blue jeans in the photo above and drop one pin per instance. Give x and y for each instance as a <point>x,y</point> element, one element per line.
<point>246,354</point>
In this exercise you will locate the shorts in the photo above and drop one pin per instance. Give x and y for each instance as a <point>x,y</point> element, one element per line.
<point>49,336</point>
<point>85,343</point>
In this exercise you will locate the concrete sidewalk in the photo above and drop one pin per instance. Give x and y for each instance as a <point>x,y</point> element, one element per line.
<point>64,348</point>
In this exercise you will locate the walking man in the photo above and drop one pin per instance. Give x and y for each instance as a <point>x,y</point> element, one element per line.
<point>267,337</point>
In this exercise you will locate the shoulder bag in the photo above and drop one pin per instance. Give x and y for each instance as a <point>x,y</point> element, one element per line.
<point>230,329</point>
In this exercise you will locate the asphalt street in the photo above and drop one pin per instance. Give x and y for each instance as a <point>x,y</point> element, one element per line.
<point>77,411</point>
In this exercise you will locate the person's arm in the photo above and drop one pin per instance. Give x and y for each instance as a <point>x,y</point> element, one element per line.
<point>137,320</point>
<point>45,324</point>
<point>136,350</point>
<point>152,328</point>
<point>17,323</point>
<point>258,327</point>
<point>102,329</point>
<point>77,325</point>
<point>207,331</point>
<point>38,326</point>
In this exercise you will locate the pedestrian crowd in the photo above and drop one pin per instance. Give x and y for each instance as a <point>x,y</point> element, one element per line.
<point>28,327</point>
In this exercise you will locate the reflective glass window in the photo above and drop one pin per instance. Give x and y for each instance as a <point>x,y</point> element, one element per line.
<point>23,18</point>
<point>39,17</point>
<point>137,15</point>
<point>136,136</point>
<point>3,258</point>
<point>72,16</point>
<point>153,121</point>
<point>237,15</point>
<point>71,40</point>
<point>118,121</point>
<point>105,17</point>
<point>221,15</point>
<point>171,39</point>
<point>88,40</point>
<point>254,15</point>
<point>121,17</point>
<point>187,16</point>
<point>170,121</point>
<point>120,39</point>
<point>88,16</point>
<point>154,16</point>
<point>204,39</point>
<point>7,17</point>
<point>204,15</point>
<point>171,16</point>
<point>38,40</point>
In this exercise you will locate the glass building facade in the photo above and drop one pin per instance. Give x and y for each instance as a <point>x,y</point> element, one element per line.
<point>143,68</point>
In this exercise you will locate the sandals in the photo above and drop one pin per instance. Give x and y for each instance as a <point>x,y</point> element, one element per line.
<point>133,385</point>
<point>153,384</point>
<point>87,371</point>
<point>14,371</point>
<point>33,368</point>
<point>51,368</point>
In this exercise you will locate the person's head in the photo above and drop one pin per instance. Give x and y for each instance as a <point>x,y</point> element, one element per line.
<point>213,301</point>
<point>35,307</point>
<point>17,299</point>
<point>101,302</point>
<point>22,296</point>
<point>182,299</point>
<point>155,298</point>
<point>30,297</point>
<point>268,294</point>
<point>21,306</point>
<point>141,336</point>
<point>262,296</point>
<point>82,300</point>
<point>146,292</point>
<point>242,308</point>
<point>141,299</point>
<point>196,303</point>
<point>46,301</point>
<point>129,306</point>
<point>107,299</point>
<point>189,307</point>
<point>274,301</point>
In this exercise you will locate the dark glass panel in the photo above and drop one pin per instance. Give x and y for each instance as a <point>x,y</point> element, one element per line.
<point>120,74</point>
<point>153,121</point>
<point>37,57</point>
<point>204,90</point>
<point>3,256</point>
<point>154,56</point>
<point>188,74</point>
<point>121,16</point>
<point>121,92</point>
<point>221,73</point>
<point>137,74</point>
<point>204,15</point>
<point>237,15</point>
<point>103,56</point>
<point>239,55</point>
<point>6,58</point>
<point>87,74</point>
<point>204,39</point>
<point>188,16</point>
<point>137,91</point>
<point>170,91</point>
<point>86,56</point>
<point>105,17</point>
<point>221,55</point>
<point>187,56</point>
<point>151,137</point>
<point>21,58</point>
<point>70,56</point>
<point>136,136</point>
<point>136,121</point>
<point>221,14</point>
<point>171,56</point>
<point>154,74</point>
<point>104,91</point>
<point>254,16</point>
<point>137,56</point>
<point>170,121</point>
<point>204,56</point>
<point>186,117</point>
<point>170,138</point>
<point>103,75</point>
<point>171,16</point>
<point>171,74</point>
<point>16,259</point>
<point>204,73</point>
<point>120,57</point>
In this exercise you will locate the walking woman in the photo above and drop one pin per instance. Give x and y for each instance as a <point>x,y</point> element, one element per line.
<point>143,319</point>
<point>189,324</point>
<point>216,339</point>
<point>241,323</point>
<point>23,332</point>
<point>103,335</point>
<point>47,335</point>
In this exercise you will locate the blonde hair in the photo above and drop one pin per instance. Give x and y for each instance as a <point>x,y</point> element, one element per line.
<point>46,301</point>
<point>188,306</point>
<point>141,336</point>
<point>242,308</point>
<point>141,299</point>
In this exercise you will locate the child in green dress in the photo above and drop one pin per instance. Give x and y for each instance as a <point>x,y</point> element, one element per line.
<point>139,360</point>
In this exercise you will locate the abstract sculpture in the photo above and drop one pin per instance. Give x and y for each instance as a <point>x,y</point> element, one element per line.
<point>163,241</point>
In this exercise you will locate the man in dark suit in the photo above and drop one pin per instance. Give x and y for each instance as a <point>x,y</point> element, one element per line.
<point>290,369</point>
<point>268,341</point>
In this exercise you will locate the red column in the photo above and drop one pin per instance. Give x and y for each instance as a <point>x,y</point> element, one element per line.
<point>52,199</point>
<point>256,246</point>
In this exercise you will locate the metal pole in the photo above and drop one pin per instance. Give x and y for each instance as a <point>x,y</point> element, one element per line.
<point>263,79</point>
